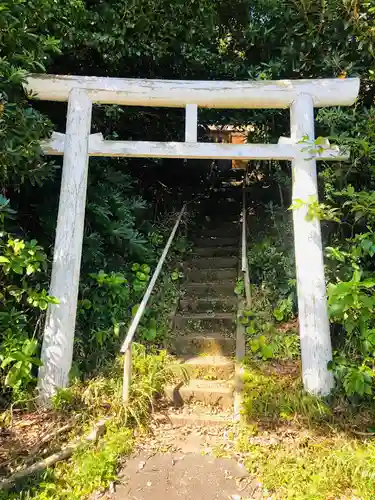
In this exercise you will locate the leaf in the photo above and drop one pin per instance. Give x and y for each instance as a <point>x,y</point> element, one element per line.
<point>279,314</point>
<point>262,340</point>
<point>350,325</point>
<point>135,309</point>
<point>369,283</point>
<point>150,333</point>
<point>85,303</point>
<point>267,351</point>
<point>145,268</point>
<point>7,361</point>
<point>251,330</point>
<point>350,190</point>
<point>254,345</point>
<point>356,276</point>
<point>141,276</point>
<point>248,313</point>
<point>29,269</point>
<point>29,347</point>
<point>139,286</point>
<point>17,268</point>
<point>4,260</point>
<point>14,376</point>
<point>359,386</point>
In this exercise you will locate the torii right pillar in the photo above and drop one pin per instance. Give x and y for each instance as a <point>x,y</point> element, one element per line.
<point>316,350</point>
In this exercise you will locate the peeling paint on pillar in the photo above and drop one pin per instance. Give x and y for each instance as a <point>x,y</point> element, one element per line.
<point>316,350</point>
<point>57,348</point>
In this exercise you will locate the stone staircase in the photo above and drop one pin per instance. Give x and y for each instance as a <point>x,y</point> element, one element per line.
<point>205,322</point>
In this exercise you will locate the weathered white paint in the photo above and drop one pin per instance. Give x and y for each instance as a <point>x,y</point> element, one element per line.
<point>57,349</point>
<point>56,143</point>
<point>143,149</point>
<point>316,348</point>
<point>301,95</point>
<point>208,94</point>
<point>191,123</point>
<point>127,375</point>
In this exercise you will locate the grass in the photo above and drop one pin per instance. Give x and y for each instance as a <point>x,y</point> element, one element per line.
<point>314,467</point>
<point>94,466</point>
<point>91,469</point>
<point>275,398</point>
<point>304,449</point>
<point>297,446</point>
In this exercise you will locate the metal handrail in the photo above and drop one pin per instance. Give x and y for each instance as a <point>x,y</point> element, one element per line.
<point>245,262</point>
<point>126,346</point>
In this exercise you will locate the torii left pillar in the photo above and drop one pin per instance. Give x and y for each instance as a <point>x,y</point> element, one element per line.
<point>57,348</point>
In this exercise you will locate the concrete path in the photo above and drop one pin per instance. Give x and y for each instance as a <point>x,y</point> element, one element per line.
<point>178,476</point>
<point>187,463</point>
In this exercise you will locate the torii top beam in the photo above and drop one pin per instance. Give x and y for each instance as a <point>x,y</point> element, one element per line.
<point>208,94</point>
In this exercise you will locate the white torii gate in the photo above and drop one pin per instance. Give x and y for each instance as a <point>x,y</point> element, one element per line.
<point>301,96</point>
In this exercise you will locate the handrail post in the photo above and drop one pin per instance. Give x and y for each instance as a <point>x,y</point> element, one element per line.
<point>127,374</point>
<point>245,264</point>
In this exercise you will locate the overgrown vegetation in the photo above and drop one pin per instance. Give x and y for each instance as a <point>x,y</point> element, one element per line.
<point>297,445</point>
<point>265,39</point>
<point>94,466</point>
<point>311,465</point>
<point>126,221</point>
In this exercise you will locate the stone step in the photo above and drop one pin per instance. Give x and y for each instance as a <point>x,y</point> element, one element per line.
<point>220,230</point>
<point>208,304</point>
<point>209,289</point>
<point>227,251</point>
<point>198,322</point>
<point>217,242</point>
<point>211,262</point>
<point>206,367</point>
<point>235,172</point>
<point>219,274</point>
<point>208,392</point>
<point>204,343</point>
<point>200,415</point>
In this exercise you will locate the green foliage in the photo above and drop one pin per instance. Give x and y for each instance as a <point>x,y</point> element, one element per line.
<point>91,469</point>
<point>287,345</point>
<point>21,361</point>
<point>28,39</point>
<point>280,398</point>
<point>263,338</point>
<point>115,231</point>
<point>284,309</point>
<point>313,466</point>
<point>271,260</point>
<point>351,305</point>
<point>95,465</point>
<point>108,303</point>
<point>315,210</point>
<point>265,39</point>
<point>23,299</point>
<point>239,289</point>
<point>101,395</point>
<point>259,346</point>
